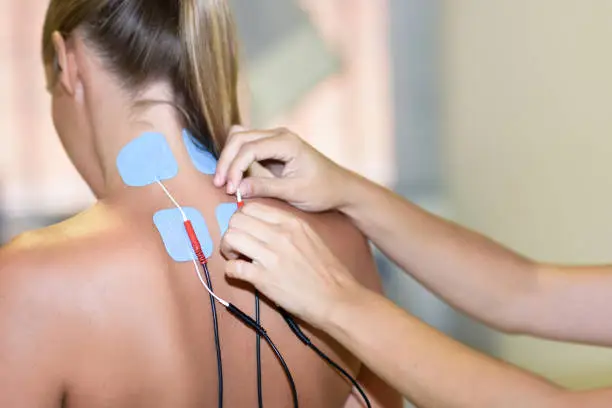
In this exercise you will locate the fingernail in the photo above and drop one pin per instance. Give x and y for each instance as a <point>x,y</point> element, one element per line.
<point>245,190</point>
<point>230,188</point>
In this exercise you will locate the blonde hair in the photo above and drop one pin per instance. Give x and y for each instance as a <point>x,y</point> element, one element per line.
<point>190,43</point>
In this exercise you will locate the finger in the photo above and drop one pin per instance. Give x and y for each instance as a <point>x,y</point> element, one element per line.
<point>237,243</point>
<point>238,136</point>
<point>245,271</point>
<point>231,148</point>
<point>281,148</point>
<point>268,187</point>
<point>270,215</point>
<point>258,228</point>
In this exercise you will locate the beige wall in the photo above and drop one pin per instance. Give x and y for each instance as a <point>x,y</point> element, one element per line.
<point>528,143</point>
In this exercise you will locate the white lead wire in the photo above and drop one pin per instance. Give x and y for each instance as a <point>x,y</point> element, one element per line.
<point>172,199</point>
<point>195,262</point>
<point>199,272</point>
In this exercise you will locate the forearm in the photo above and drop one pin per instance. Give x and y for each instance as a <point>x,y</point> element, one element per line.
<point>427,367</point>
<point>466,269</point>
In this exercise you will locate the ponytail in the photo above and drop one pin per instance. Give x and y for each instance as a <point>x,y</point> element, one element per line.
<point>211,68</point>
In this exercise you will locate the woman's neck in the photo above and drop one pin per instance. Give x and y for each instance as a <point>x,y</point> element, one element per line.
<point>154,113</point>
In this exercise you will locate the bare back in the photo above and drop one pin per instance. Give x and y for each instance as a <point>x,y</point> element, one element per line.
<point>100,316</point>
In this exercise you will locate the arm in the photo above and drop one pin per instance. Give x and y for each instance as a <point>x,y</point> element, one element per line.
<point>432,370</point>
<point>469,271</point>
<point>293,266</point>
<point>29,363</point>
<point>480,277</point>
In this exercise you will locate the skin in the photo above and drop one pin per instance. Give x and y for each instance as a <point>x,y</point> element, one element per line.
<point>93,311</point>
<point>469,271</point>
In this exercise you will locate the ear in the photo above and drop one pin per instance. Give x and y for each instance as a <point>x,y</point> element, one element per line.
<point>65,66</point>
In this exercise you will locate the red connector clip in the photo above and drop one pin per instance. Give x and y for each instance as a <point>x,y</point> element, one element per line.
<point>239,199</point>
<point>195,242</point>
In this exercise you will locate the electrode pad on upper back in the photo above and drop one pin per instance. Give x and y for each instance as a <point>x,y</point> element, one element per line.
<point>169,223</point>
<point>224,213</point>
<point>201,158</point>
<point>146,159</point>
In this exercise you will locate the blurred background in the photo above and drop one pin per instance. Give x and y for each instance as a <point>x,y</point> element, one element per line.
<point>495,114</point>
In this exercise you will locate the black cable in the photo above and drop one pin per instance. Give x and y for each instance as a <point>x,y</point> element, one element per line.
<point>295,328</point>
<point>213,307</point>
<point>343,372</point>
<point>258,351</point>
<point>294,394</point>
<point>249,321</point>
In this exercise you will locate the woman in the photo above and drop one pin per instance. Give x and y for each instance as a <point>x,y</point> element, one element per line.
<point>470,272</point>
<point>93,311</point>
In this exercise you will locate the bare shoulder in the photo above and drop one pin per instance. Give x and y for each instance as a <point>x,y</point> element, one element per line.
<point>54,292</point>
<point>33,343</point>
<point>49,274</point>
<point>79,246</point>
<point>345,240</point>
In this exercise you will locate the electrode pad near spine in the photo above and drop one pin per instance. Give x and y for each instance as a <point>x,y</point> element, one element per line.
<point>204,161</point>
<point>170,225</point>
<point>224,213</point>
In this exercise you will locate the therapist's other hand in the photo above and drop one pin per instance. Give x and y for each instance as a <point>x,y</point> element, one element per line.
<point>290,263</point>
<point>281,165</point>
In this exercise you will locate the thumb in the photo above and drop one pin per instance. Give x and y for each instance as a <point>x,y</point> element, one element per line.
<point>242,270</point>
<point>261,187</point>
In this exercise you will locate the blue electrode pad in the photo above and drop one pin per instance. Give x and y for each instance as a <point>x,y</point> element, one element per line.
<point>146,159</point>
<point>170,225</point>
<point>224,213</point>
<point>201,158</point>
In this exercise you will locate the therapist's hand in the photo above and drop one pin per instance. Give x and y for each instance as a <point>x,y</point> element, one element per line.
<point>291,264</point>
<point>281,165</point>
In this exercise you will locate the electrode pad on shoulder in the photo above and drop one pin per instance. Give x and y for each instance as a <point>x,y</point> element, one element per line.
<point>146,159</point>
<point>201,158</point>
<point>224,214</point>
<point>170,225</point>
